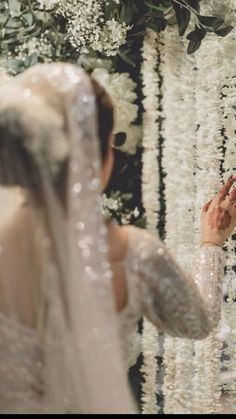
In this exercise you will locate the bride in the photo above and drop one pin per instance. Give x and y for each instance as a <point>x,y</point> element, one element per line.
<point>64,273</point>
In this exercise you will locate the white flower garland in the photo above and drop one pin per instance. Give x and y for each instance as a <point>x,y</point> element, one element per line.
<point>150,190</point>
<point>209,142</point>
<point>178,163</point>
<point>229,166</point>
<point>171,69</point>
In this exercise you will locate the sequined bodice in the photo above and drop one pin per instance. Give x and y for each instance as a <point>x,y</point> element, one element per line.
<point>157,288</point>
<point>20,368</point>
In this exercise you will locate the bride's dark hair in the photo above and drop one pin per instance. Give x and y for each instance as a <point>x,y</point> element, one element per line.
<point>105,113</point>
<point>14,153</point>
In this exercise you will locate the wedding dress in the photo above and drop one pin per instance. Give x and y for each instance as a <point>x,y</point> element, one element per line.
<point>60,338</point>
<point>157,288</point>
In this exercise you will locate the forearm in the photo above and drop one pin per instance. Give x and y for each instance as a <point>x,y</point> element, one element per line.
<point>208,274</point>
<point>172,298</point>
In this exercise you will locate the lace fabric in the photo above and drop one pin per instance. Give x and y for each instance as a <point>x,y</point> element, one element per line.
<point>178,304</point>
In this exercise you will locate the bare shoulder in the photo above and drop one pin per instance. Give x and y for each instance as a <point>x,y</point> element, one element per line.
<point>118,240</point>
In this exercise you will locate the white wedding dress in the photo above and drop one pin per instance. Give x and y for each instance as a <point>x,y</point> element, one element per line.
<point>157,288</point>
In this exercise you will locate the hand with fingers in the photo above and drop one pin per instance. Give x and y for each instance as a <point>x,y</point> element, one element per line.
<point>218,218</point>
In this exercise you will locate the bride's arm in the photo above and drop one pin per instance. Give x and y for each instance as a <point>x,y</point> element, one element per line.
<point>179,304</point>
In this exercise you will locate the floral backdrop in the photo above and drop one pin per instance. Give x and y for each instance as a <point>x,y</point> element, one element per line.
<point>105,37</point>
<point>169,66</point>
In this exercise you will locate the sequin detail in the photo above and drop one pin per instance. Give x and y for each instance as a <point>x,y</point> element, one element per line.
<point>176,303</point>
<point>21,369</point>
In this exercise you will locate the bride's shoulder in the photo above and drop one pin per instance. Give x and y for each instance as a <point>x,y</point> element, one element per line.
<point>16,215</point>
<point>120,238</point>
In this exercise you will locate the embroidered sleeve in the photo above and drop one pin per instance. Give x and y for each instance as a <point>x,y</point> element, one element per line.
<point>178,303</point>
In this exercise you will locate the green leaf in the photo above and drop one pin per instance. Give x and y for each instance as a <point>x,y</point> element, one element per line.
<point>193,46</point>
<point>28,18</point>
<point>4,17</point>
<point>224,31</point>
<point>14,23</point>
<point>127,196</point>
<point>15,7</point>
<point>109,9</point>
<point>15,66</point>
<point>183,18</point>
<point>31,60</point>
<point>158,25</point>
<point>194,4</point>
<point>160,8</point>
<point>127,12</point>
<point>126,58</point>
<point>197,35</point>
<point>141,222</point>
<point>210,21</point>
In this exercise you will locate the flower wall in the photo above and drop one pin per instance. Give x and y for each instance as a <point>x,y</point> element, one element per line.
<point>169,67</point>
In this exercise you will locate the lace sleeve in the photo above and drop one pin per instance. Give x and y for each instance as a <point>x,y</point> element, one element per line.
<point>177,303</point>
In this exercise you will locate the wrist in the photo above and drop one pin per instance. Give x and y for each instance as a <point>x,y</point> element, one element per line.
<point>210,243</point>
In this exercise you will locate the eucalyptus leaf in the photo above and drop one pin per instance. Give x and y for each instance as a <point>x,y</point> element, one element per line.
<point>160,8</point>
<point>15,66</point>
<point>28,18</point>
<point>157,26</point>
<point>224,31</point>
<point>127,12</point>
<point>141,222</point>
<point>193,46</point>
<point>126,58</point>
<point>183,16</point>
<point>14,23</point>
<point>31,60</point>
<point>197,34</point>
<point>9,31</point>
<point>127,196</point>
<point>211,21</point>
<point>4,17</point>
<point>195,4</point>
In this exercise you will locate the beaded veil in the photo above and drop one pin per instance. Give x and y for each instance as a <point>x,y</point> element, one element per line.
<point>59,253</point>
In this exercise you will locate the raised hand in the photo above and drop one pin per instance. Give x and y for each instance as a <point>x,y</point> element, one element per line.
<point>218,217</point>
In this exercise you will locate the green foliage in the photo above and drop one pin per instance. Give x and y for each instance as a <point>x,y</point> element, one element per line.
<point>22,21</point>
<point>157,14</point>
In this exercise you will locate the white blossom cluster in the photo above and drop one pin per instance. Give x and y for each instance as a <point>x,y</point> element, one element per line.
<point>121,89</point>
<point>115,205</point>
<point>87,27</point>
<point>40,45</point>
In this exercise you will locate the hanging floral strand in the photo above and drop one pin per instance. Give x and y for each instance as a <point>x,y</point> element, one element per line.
<point>229,167</point>
<point>179,141</point>
<point>171,69</point>
<point>150,193</point>
<point>209,140</point>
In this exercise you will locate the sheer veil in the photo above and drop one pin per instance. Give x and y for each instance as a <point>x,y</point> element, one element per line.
<point>59,253</point>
